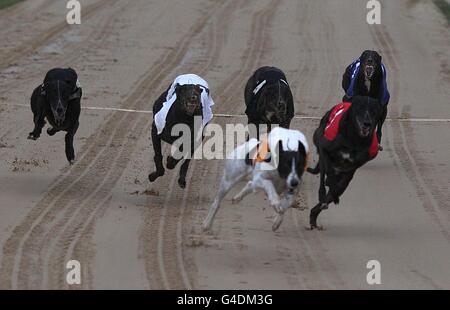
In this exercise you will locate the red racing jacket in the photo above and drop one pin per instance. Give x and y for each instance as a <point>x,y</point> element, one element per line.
<point>332,128</point>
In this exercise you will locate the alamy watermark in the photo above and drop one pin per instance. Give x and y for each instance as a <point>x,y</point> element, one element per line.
<point>73,16</point>
<point>221,143</point>
<point>374,275</point>
<point>374,14</point>
<point>73,276</point>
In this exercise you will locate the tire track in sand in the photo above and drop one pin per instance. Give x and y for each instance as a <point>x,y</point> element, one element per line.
<point>26,48</point>
<point>22,258</point>
<point>70,55</point>
<point>153,247</point>
<point>433,201</point>
<point>78,245</point>
<point>311,254</point>
<point>165,254</point>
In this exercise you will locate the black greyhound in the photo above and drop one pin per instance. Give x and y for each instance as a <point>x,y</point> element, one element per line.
<point>187,106</point>
<point>367,77</point>
<point>58,100</point>
<point>345,140</point>
<point>268,99</point>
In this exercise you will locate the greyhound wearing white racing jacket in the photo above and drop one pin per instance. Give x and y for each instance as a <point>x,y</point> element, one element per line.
<point>274,165</point>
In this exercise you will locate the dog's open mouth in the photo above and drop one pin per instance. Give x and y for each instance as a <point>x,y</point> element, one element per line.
<point>364,131</point>
<point>369,71</point>
<point>192,109</point>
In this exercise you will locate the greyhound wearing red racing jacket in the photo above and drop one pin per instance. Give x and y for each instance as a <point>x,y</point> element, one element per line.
<point>345,140</point>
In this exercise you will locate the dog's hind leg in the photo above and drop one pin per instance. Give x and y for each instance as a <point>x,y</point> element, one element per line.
<point>314,170</point>
<point>342,182</point>
<point>156,140</point>
<point>244,192</point>
<point>225,186</point>
<point>171,162</point>
<point>315,213</point>
<point>70,152</point>
<point>52,131</point>
<point>234,172</point>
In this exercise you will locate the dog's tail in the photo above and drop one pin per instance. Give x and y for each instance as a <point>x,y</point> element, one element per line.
<point>314,170</point>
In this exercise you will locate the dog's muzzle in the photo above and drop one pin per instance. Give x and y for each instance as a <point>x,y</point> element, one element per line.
<point>192,109</point>
<point>293,184</point>
<point>59,115</point>
<point>364,129</point>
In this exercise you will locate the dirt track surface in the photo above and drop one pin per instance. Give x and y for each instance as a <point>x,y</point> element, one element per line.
<point>130,234</point>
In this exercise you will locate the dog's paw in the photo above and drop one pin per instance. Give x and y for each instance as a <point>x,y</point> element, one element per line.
<point>153,176</point>
<point>51,131</point>
<point>206,228</point>
<point>276,206</point>
<point>71,162</point>
<point>182,183</point>
<point>32,136</point>
<point>380,148</point>
<point>277,222</point>
<point>315,227</point>
<point>236,200</point>
<point>324,206</point>
<point>313,171</point>
<point>171,162</point>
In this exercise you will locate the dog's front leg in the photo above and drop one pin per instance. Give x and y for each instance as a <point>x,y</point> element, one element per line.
<point>156,141</point>
<point>286,203</point>
<point>380,126</point>
<point>39,123</point>
<point>269,189</point>
<point>341,185</point>
<point>323,172</point>
<point>183,172</point>
<point>70,152</point>
<point>323,204</point>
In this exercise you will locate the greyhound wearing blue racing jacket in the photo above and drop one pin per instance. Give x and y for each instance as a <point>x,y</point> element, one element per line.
<point>367,76</point>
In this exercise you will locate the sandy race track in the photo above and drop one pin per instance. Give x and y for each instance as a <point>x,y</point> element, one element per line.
<point>130,234</point>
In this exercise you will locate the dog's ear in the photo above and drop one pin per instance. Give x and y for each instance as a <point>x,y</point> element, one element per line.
<point>364,54</point>
<point>277,151</point>
<point>76,95</point>
<point>301,149</point>
<point>378,57</point>
<point>43,91</point>
<point>303,160</point>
